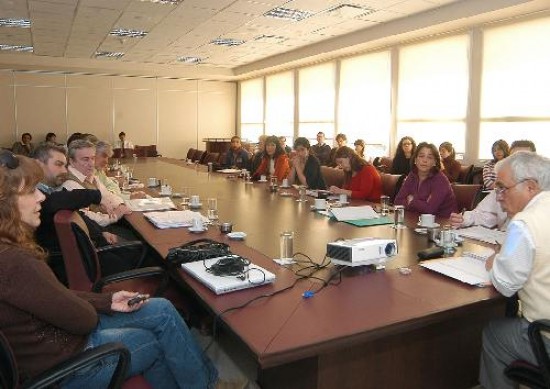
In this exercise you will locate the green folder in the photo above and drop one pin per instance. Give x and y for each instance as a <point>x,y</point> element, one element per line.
<point>370,222</point>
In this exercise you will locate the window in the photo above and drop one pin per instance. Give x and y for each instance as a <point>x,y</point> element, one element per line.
<point>279,106</point>
<point>433,91</point>
<point>364,105</point>
<point>316,100</point>
<point>252,109</point>
<point>515,88</point>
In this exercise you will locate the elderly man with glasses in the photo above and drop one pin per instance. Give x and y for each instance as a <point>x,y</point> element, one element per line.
<point>522,266</point>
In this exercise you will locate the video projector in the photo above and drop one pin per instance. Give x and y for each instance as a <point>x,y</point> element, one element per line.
<point>361,251</point>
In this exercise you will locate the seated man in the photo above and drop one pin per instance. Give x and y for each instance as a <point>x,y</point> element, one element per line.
<point>522,266</point>
<point>236,156</point>
<point>81,176</point>
<point>25,147</point>
<point>488,212</point>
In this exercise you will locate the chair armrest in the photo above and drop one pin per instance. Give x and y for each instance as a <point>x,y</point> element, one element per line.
<point>128,275</point>
<point>124,245</point>
<point>537,344</point>
<point>84,360</point>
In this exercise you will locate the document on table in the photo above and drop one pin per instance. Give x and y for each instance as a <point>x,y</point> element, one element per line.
<point>469,268</point>
<point>150,204</point>
<point>482,234</point>
<point>174,219</point>
<point>354,213</point>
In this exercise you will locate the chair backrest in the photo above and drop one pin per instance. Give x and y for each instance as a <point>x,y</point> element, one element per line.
<point>476,175</point>
<point>9,377</point>
<point>151,151</point>
<point>212,157</point>
<point>391,183</point>
<point>79,254</point>
<point>190,153</point>
<point>199,155</point>
<point>465,174</point>
<point>332,176</point>
<point>466,195</point>
<point>140,151</point>
<point>117,153</point>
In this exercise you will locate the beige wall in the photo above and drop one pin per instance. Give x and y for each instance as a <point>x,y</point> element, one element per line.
<point>173,114</point>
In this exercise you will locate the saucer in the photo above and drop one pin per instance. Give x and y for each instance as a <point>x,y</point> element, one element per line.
<point>237,235</point>
<point>198,230</point>
<point>262,181</point>
<point>285,187</point>
<point>435,225</point>
<point>422,231</point>
<point>195,206</point>
<point>285,194</point>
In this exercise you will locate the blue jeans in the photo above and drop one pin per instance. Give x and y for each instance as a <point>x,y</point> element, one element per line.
<point>161,348</point>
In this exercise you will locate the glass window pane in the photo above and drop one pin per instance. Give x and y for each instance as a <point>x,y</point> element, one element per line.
<point>251,132</point>
<point>364,110</point>
<point>433,79</point>
<point>515,78</point>
<point>252,101</point>
<point>435,132</point>
<point>279,105</point>
<point>310,130</point>
<point>536,132</point>
<point>316,93</point>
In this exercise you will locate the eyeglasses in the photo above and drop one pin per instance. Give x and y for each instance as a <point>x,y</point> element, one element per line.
<point>8,159</point>
<point>500,190</point>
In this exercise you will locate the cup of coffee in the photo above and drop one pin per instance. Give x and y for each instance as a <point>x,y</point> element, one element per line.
<point>152,181</point>
<point>320,204</point>
<point>285,183</point>
<point>263,178</point>
<point>426,220</point>
<point>226,227</point>
<point>195,200</point>
<point>166,190</point>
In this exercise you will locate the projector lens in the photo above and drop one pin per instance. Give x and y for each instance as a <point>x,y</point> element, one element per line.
<point>390,250</point>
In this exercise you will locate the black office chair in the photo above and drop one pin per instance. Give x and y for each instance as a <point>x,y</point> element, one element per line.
<point>9,376</point>
<point>525,373</point>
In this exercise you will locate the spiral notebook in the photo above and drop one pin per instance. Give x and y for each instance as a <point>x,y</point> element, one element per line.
<point>469,268</point>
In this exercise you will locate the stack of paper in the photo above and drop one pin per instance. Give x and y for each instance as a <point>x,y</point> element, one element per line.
<point>482,234</point>
<point>354,213</point>
<point>173,219</point>
<point>151,204</point>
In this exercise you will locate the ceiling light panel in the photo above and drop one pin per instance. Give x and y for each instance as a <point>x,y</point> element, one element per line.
<point>227,42</point>
<point>191,60</point>
<point>18,48</point>
<point>19,23</point>
<point>109,54</point>
<point>126,33</point>
<point>164,2</point>
<point>349,11</point>
<point>288,14</point>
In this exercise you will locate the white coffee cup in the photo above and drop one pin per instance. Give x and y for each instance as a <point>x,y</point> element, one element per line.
<point>166,190</point>
<point>343,198</point>
<point>426,220</point>
<point>195,200</point>
<point>197,224</point>
<point>320,204</point>
<point>285,182</point>
<point>263,178</point>
<point>152,181</point>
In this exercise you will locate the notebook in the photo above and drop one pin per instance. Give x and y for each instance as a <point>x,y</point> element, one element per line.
<point>219,284</point>
<point>469,268</point>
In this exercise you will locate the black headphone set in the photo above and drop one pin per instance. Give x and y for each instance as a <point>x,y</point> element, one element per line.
<point>230,266</point>
<point>197,250</point>
<point>8,159</point>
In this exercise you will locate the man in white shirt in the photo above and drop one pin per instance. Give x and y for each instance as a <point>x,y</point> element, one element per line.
<point>488,213</point>
<point>122,143</point>
<point>81,176</point>
<point>522,266</point>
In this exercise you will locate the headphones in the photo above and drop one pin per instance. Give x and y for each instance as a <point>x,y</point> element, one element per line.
<point>197,250</point>
<point>8,159</point>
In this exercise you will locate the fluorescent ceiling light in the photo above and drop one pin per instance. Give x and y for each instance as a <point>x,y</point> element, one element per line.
<point>21,23</point>
<point>172,2</point>
<point>227,42</point>
<point>349,11</point>
<point>108,54</point>
<point>191,60</point>
<point>270,38</point>
<point>288,14</point>
<point>21,49</point>
<point>122,32</point>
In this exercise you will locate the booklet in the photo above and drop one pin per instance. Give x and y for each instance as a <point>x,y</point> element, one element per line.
<point>469,268</point>
<point>354,213</point>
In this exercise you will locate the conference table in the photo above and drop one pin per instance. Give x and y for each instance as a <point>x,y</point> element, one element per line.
<point>365,329</point>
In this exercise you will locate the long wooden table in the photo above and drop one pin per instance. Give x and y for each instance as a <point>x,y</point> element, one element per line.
<point>372,330</point>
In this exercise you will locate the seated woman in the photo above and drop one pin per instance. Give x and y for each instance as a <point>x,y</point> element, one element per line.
<point>306,169</point>
<point>402,159</point>
<point>500,150</point>
<point>362,180</point>
<point>46,323</point>
<point>451,167</point>
<point>426,189</point>
<point>274,161</point>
